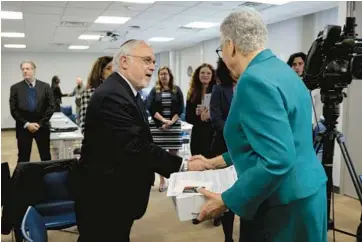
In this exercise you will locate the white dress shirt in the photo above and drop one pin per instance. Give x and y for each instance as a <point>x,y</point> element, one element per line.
<point>130,85</point>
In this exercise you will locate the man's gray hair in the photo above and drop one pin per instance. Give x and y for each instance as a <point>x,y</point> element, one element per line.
<point>28,62</point>
<point>125,49</point>
<point>246,29</point>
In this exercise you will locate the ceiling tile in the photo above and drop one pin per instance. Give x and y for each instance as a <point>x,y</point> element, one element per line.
<point>33,20</point>
<point>162,8</point>
<point>12,6</point>
<point>12,26</point>
<point>67,35</point>
<point>201,10</point>
<point>45,3</point>
<point>82,12</point>
<point>227,5</point>
<point>139,22</point>
<point>87,19</point>
<point>180,3</point>
<point>152,16</point>
<point>121,13</point>
<point>43,9</point>
<point>89,4</point>
<point>115,6</point>
<point>96,27</point>
<point>179,20</point>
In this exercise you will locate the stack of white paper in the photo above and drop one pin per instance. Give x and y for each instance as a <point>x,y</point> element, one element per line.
<point>182,188</point>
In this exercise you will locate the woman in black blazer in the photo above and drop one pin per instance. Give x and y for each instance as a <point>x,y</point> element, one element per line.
<point>165,104</point>
<point>57,93</point>
<point>202,82</point>
<point>221,97</point>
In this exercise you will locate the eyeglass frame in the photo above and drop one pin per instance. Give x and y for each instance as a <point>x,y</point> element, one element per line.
<point>219,49</point>
<point>144,59</point>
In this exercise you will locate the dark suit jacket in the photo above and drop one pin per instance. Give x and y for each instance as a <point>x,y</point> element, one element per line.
<point>154,103</point>
<point>219,110</point>
<point>19,106</point>
<point>117,148</point>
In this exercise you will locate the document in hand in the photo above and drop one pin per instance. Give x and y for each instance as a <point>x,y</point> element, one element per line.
<point>182,188</point>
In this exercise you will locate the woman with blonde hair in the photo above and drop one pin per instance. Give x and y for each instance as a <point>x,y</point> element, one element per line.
<point>166,104</point>
<point>101,69</point>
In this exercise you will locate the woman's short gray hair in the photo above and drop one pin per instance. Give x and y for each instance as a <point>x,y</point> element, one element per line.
<point>125,49</point>
<point>246,29</point>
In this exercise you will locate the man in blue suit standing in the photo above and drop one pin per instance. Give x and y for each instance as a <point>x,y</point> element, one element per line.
<point>281,189</point>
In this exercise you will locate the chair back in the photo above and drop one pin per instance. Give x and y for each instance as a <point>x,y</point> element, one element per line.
<point>5,182</point>
<point>67,110</point>
<point>33,226</point>
<point>56,186</point>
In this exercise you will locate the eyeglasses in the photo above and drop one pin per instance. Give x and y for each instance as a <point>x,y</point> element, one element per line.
<point>218,50</point>
<point>146,59</point>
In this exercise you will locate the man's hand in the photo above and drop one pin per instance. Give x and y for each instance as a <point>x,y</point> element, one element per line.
<point>33,127</point>
<point>199,165</point>
<point>214,207</point>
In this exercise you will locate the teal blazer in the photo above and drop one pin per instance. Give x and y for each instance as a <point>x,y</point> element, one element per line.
<point>269,139</point>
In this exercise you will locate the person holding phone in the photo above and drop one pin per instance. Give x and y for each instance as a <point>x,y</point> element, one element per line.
<point>197,113</point>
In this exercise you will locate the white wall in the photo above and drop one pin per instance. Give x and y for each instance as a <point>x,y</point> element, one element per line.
<point>68,66</point>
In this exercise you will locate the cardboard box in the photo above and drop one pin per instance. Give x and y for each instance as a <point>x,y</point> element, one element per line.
<point>188,206</point>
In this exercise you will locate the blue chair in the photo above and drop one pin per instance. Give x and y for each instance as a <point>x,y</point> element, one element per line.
<point>58,209</point>
<point>67,110</point>
<point>33,227</point>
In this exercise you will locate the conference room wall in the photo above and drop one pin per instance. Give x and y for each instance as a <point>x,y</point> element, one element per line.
<point>68,66</point>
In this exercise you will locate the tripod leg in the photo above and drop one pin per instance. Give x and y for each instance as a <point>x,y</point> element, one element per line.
<point>352,171</point>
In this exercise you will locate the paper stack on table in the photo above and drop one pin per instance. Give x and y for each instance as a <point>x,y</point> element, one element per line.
<point>182,188</point>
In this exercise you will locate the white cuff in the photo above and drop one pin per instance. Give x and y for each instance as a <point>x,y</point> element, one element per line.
<point>26,125</point>
<point>184,165</point>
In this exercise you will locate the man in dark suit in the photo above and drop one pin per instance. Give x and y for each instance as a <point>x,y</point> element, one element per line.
<point>31,105</point>
<point>118,158</point>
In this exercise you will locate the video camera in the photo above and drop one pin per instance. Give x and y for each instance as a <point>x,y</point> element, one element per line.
<point>335,58</point>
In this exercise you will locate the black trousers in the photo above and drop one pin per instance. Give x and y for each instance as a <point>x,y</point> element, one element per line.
<point>102,220</point>
<point>25,142</point>
<point>227,221</point>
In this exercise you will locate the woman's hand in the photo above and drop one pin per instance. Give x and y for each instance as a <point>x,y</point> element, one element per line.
<point>205,115</point>
<point>214,207</point>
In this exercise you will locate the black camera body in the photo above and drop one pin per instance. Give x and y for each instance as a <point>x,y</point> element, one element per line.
<point>334,59</point>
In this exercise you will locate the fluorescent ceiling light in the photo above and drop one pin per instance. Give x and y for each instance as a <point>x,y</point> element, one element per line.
<point>200,25</point>
<point>89,37</point>
<point>111,20</point>
<point>78,47</point>
<point>12,35</point>
<point>15,46</point>
<point>138,1</point>
<point>11,15</point>
<point>160,39</point>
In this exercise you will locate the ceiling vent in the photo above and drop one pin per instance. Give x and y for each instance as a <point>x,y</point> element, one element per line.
<point>250,4</point>
<point>73,24</point>
<point>135,27</point>
<point>188,29</point>
<point>59,44</point>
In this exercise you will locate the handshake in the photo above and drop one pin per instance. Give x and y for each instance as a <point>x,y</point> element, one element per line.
<point>197,163</point>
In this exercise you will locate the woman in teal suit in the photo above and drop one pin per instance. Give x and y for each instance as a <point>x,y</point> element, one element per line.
<point>281,189</point>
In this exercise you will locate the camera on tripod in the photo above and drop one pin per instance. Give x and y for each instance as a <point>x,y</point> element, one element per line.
<point>335,58</point>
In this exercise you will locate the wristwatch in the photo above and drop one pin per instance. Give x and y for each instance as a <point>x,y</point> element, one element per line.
<point>184,166</point>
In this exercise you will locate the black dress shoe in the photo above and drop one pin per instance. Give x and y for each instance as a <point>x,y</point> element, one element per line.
<point>217,221</point>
